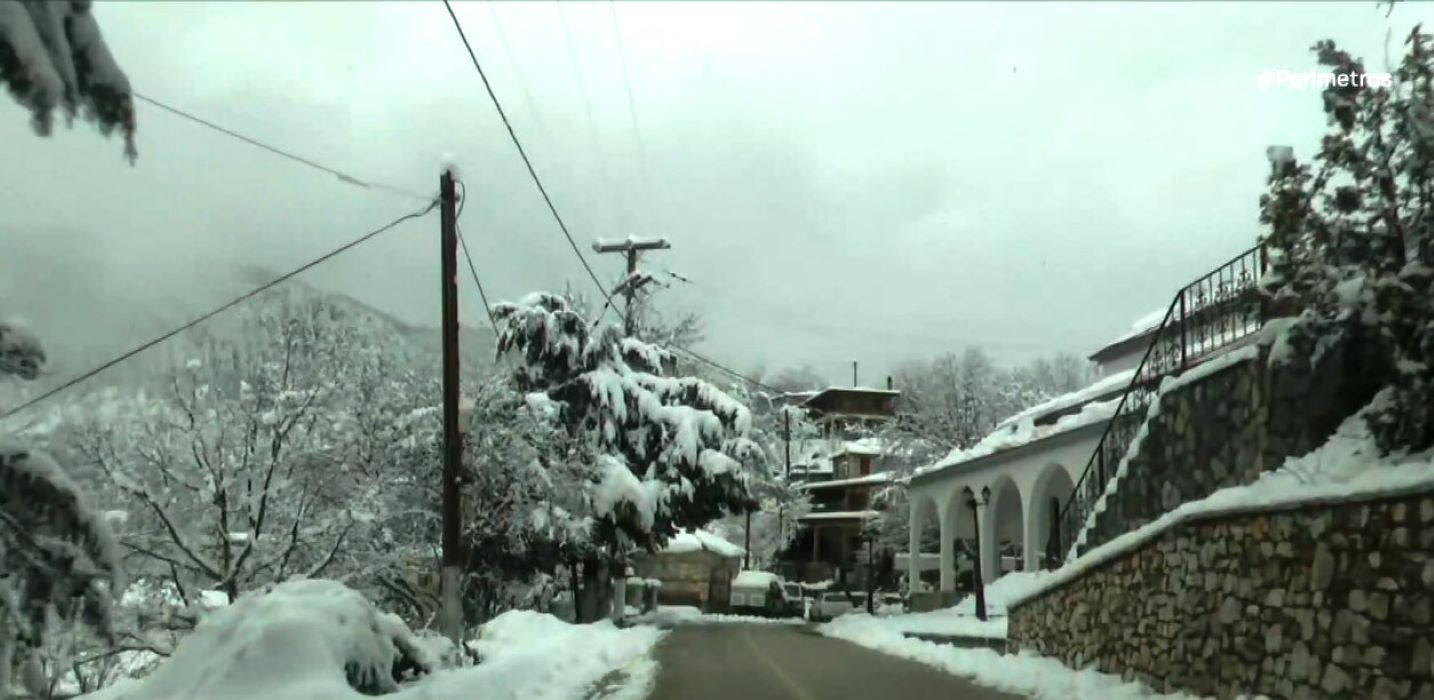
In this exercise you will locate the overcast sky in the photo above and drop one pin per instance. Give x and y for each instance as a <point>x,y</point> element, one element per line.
<point>843,181</point>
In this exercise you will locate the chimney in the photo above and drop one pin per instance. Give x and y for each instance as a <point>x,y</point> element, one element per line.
<point>888,382</point>
<point>854,382</point>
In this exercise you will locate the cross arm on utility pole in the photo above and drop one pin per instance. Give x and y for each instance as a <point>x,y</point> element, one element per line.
<point>630,244</point>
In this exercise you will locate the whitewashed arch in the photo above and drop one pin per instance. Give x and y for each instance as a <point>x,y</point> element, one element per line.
<point>1004,522</point>
<point>1050,491</point>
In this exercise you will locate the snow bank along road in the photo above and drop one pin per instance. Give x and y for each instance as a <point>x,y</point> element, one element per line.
<point>758,662</point>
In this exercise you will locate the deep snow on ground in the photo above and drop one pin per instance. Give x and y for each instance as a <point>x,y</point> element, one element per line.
<point>1025,674</point>
<point>305,639</point>
<point>528,655</point>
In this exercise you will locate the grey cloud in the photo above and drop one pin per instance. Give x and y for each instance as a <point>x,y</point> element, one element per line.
<point>841,180</point>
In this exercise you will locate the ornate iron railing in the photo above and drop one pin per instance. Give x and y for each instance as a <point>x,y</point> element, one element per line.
<point>1216,311</point>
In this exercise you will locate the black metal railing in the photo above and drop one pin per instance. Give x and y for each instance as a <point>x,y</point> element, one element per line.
<point>1211,314</point>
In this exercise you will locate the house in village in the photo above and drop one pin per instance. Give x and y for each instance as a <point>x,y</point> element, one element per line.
<point>695,569</point>
<point>841,471</point>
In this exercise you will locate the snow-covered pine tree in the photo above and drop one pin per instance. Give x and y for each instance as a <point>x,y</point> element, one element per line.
<point>662,453</point>
<point>1351,241</point>
<point>52,56</point>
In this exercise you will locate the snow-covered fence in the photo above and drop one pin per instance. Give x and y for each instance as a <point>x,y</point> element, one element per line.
<point>1329,598</point>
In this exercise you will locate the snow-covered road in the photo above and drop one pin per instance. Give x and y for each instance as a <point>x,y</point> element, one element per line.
<point>758,662</point>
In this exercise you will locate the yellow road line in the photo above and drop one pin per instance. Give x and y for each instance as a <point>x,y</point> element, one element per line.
<point>787,681</point>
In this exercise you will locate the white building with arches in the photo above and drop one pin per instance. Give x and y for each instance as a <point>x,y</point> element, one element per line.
<point>1025,469</point>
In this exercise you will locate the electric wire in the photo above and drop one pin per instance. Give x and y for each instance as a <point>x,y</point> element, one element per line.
<point>345,177</point>
<point>218,310</point>
<point>532,172</point>
<point>472,269</point>
<point>552,208</point>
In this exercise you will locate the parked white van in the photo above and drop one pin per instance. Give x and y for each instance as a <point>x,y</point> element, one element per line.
<point>758,593</point>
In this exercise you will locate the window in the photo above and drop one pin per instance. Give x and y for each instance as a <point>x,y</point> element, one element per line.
<point>865,466</point>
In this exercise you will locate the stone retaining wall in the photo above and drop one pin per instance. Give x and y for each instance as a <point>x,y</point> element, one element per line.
<point>1324,601</point>
<point>1206,435</point>
<point>1226,429</point>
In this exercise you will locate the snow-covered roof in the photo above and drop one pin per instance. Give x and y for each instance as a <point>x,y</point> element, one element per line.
<point>1142,326</point>
<point>755,579</point>
<point>1024,433</point>
<point>842,515</point>
<point>1107,385</point>
<point>865,446</point>
<point>877,478</point>
<point>698,540</point>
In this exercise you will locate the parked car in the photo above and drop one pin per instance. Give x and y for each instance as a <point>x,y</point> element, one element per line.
<point>832,604</point>
<point>796,600</point>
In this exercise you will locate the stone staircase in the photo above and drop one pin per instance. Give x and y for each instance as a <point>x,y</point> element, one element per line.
<point>1207,319</point>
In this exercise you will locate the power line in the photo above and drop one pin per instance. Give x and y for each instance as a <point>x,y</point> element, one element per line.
<point>342,176</point>
<point>512,57</point>
<point>631,102</point>
<point>220,309</point>
<point>524,154</point>
<point>533,173</point>
<point>472,269</point>
<point>583,91</point>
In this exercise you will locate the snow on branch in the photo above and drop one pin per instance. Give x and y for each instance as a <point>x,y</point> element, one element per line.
<point>21,354</point>
<point>665,452</point>
<point>52,56</point>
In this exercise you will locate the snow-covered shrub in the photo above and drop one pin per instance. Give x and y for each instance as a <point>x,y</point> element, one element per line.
<point>1351,242</point>
<point>299,640</point>
<point>58,566</point>
<point>53,57</point>
<point>21,354</point>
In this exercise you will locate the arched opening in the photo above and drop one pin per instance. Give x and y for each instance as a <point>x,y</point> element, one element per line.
<point>1053,488</point>
<point>961,528</point>
<point>927,555</point>
<point>1007,521</point>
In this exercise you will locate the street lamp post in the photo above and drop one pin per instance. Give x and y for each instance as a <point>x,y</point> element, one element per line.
<point>976,520</point>
<point>870,565</point>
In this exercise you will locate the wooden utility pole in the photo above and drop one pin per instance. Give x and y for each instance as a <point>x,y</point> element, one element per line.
<point>451,613</point>
<point>787,438</point>
<point>631,247</point>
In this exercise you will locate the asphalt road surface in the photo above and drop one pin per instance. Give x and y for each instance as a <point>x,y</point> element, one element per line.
<point>771,662</point>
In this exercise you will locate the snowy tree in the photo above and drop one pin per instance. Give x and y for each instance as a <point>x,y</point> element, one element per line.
<point>52,57</point>
<point>774,523</point>
<point>524,512</point>
<point>661,453</point>
<point>58,561</point>
<point>954,401</point>
<point>247,470</point>
<point>58,565</point>
<point>1351,242</point>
